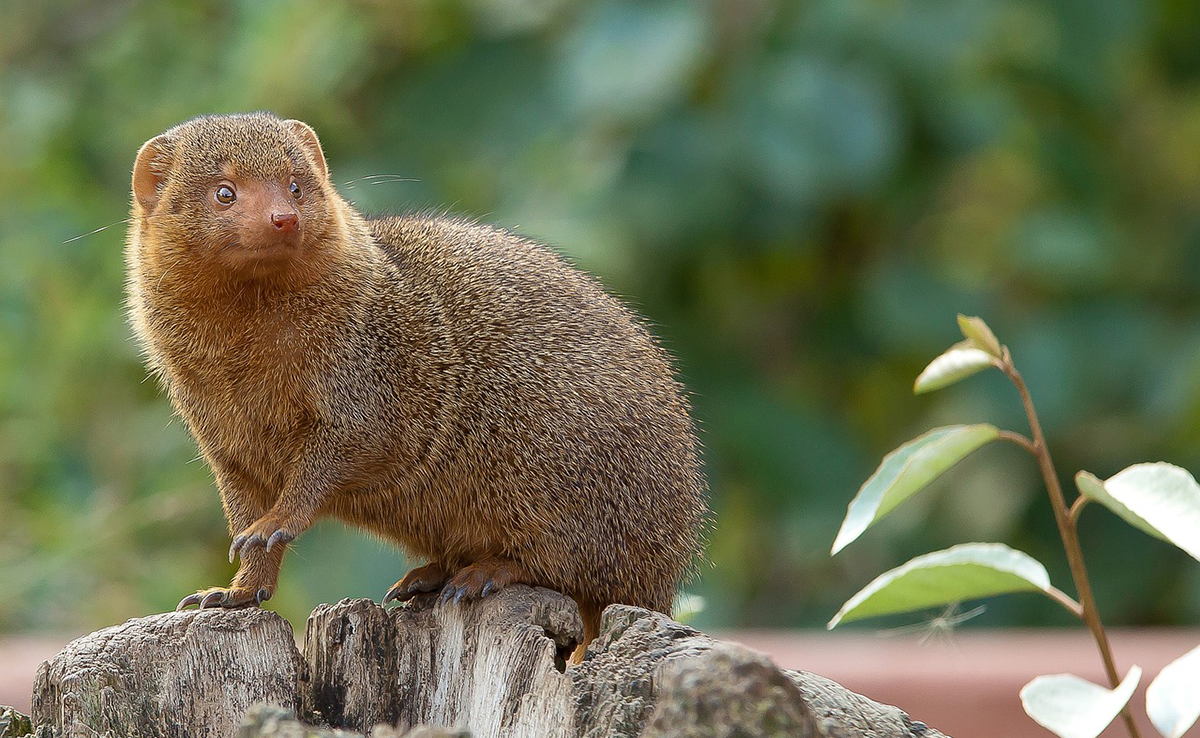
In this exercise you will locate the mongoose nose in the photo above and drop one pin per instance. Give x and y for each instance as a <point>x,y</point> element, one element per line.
<point>285,222</point>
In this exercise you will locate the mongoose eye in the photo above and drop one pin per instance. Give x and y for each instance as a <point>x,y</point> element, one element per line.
<point>225,195</point>
<point>295,190</point>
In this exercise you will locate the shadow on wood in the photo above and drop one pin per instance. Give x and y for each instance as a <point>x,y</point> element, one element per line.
<point>497,668</point>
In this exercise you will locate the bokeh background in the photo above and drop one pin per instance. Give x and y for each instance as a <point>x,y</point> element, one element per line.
<point>799,195</point>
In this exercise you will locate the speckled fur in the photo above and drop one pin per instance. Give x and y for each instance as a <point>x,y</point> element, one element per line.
<point>451,387</point>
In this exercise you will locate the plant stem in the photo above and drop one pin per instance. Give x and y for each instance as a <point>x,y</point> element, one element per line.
<point>1065,600</point>
<point>1070,538</point>
<point>1020,440</point>
<point>1076,508</point>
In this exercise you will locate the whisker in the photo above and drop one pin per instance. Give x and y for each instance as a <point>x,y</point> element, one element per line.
<point>101,228</point>
<point>389,177</point>
<point>377,179</point>
<point>110,225</point>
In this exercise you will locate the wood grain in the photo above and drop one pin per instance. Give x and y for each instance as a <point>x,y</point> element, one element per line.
<point>497,668</point>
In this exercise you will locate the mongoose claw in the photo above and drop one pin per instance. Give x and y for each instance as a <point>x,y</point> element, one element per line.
<point>278,538</point>
<point>245,542</point>
<point>212,599</point>
<point>253,536</point>
<point>428,578</point>
<point>192,599</point>
<point>453,592</point>
<point>399,593</point>
<point>483,578</point>
<point>226,598</point>
<point>236,547</point>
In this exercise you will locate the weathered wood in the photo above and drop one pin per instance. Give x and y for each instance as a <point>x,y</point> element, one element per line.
<point>722,691</point>
<point>13,724</point>
<point>845,714</point>
<point>354,666</point>
<point>497,668</point>
<point>268,721</point>
<point>648,670</point>
<point>174,675</point>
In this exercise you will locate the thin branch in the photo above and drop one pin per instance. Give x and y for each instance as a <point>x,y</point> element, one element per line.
<point>1020,440</point>
<point>1065,600</point>
<point>1066,529</point>
<point>1076,508</point>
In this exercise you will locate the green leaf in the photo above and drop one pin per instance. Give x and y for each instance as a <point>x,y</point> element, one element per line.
<point>979,334</point>
<point>958,362</point>
<point>1171,699</point>
<point>906,471</point>
<point>1160,499</point>
<point>1091,486</point>
<point>1071,707</point>
<point>965,572</point>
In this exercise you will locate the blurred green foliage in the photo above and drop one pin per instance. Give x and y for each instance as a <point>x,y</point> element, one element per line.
<point>800,195</point>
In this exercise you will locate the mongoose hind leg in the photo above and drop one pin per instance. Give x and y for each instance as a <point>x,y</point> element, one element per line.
<point>428,578</point>
<point>484,577</point>
<point>590,612</point>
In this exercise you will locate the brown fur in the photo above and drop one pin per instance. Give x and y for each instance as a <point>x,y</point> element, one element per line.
<point>451,387</point>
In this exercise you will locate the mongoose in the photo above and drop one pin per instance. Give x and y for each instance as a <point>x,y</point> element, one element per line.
<point>453,388</point>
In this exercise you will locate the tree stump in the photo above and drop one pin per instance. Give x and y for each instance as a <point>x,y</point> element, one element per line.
<point>178,674</point>
<point>426,663</point>
<point>496,668</point>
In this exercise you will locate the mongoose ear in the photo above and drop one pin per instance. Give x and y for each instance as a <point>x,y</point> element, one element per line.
<point>150,169</point>
<point>310,142</point>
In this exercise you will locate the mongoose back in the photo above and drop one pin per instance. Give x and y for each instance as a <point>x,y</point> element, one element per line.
<point>453,388</point>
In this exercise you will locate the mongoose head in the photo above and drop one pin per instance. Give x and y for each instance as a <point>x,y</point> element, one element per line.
<point>248,194</point>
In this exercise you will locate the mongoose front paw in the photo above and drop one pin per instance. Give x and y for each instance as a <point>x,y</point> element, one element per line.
<point>428,578</point>
<point>482,578</point>
<point>227,598</point>
<point>267,531</point>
